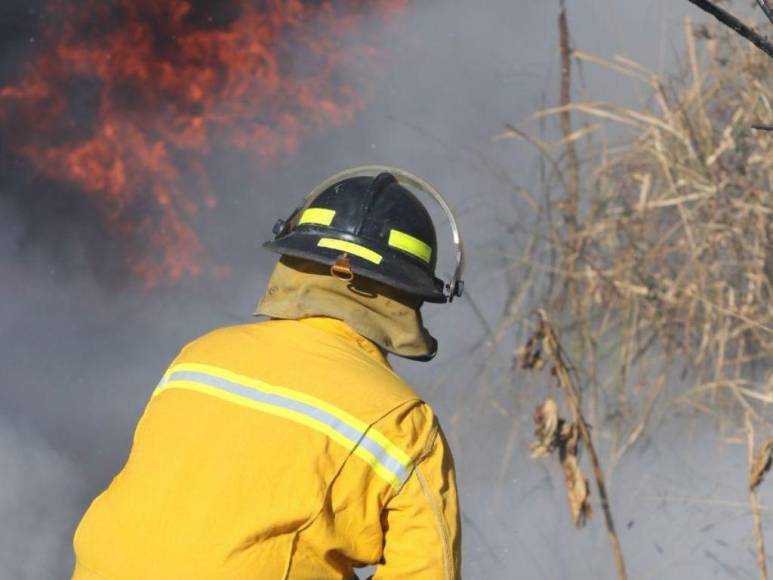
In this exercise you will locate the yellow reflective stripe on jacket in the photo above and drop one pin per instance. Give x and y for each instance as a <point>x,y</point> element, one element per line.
<point>317,215</point>
<point>408,243</point>
<point>351,248</point>
<point>390,462</point>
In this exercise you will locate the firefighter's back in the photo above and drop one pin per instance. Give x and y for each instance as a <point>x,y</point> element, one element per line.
<point>268,450</point>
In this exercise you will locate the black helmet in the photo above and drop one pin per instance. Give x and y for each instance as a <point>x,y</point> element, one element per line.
<point>366,221</point>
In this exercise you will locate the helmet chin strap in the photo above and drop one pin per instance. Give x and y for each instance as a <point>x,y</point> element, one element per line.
<point>455,286</point>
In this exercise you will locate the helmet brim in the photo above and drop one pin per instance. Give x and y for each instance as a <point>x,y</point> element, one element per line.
<point>397,271</point>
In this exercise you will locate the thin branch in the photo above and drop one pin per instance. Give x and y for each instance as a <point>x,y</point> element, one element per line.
<point>766,9</point>
<point>637,431</point>
<point>573,165</point>
<point>553,348</point>
<point>731,21</point>
<point>763,127</point>
<point>755,478</point>
<point>479,315</point>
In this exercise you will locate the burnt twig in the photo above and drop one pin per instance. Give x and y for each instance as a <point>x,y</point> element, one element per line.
<point>731,21</point>
<point>766,9</point>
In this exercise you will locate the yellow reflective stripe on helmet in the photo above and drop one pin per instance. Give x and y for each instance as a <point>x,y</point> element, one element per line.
<point>408,243</point>
<point>387,460</point>
<point>351,248</point>
<point>317,215</point>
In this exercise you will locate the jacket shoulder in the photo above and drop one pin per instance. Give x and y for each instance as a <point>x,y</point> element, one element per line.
<point>294,355</point>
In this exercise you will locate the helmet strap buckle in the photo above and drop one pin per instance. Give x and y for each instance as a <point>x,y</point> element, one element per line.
<point>342,269</point>
<point>454,290</point>
<point>279,227</point>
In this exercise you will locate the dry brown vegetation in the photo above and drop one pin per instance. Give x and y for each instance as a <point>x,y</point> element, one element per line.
<point>653,254</point>
<point>662,269</point>
<point>555,433</point>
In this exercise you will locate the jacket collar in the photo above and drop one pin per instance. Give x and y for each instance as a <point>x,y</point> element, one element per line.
<point>340,328</point>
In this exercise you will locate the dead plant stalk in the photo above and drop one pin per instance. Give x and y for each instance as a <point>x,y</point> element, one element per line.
<point>759,465</point>
<point>546,336</point>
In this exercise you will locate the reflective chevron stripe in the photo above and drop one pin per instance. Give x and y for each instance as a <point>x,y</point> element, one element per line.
<point>317,215</point>
<point>386,459</point>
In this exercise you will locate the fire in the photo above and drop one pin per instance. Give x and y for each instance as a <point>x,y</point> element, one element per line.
<point>168,84</point>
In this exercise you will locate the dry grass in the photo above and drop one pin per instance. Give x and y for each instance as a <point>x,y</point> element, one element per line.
<point>653,257</point>
<point>662,272</point>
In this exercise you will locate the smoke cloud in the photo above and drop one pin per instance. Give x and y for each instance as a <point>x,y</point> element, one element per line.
<point>82,344</point>
<point>40,495</point>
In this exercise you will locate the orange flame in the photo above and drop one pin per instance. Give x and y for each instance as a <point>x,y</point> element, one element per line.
<point>170,86</point>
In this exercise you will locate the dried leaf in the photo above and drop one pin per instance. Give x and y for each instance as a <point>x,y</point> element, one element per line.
<point>547,427</point>
<point>761,464</point>
<point>577,489</point>
<point>553,432</point>
<point>530,356</point>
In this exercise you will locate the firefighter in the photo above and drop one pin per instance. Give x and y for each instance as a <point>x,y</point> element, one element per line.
<point>289,448</point>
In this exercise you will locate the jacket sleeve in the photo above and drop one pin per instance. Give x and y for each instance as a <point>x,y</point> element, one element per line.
<point>422,536</point>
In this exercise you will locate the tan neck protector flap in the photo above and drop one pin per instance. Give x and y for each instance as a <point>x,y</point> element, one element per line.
<point>301,288</point>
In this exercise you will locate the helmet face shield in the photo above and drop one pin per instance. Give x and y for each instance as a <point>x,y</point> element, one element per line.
<point>369,216</point>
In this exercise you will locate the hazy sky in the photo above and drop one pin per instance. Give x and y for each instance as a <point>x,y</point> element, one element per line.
<point>80,352</point>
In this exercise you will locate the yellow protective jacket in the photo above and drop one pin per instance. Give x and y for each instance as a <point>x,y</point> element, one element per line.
<point>281,449</point>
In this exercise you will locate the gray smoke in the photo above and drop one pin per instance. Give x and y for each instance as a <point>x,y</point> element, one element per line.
<point>78,358</point>
<point>39,500</point>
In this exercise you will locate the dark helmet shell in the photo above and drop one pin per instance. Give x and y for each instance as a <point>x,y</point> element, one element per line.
<point>378,224</point>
